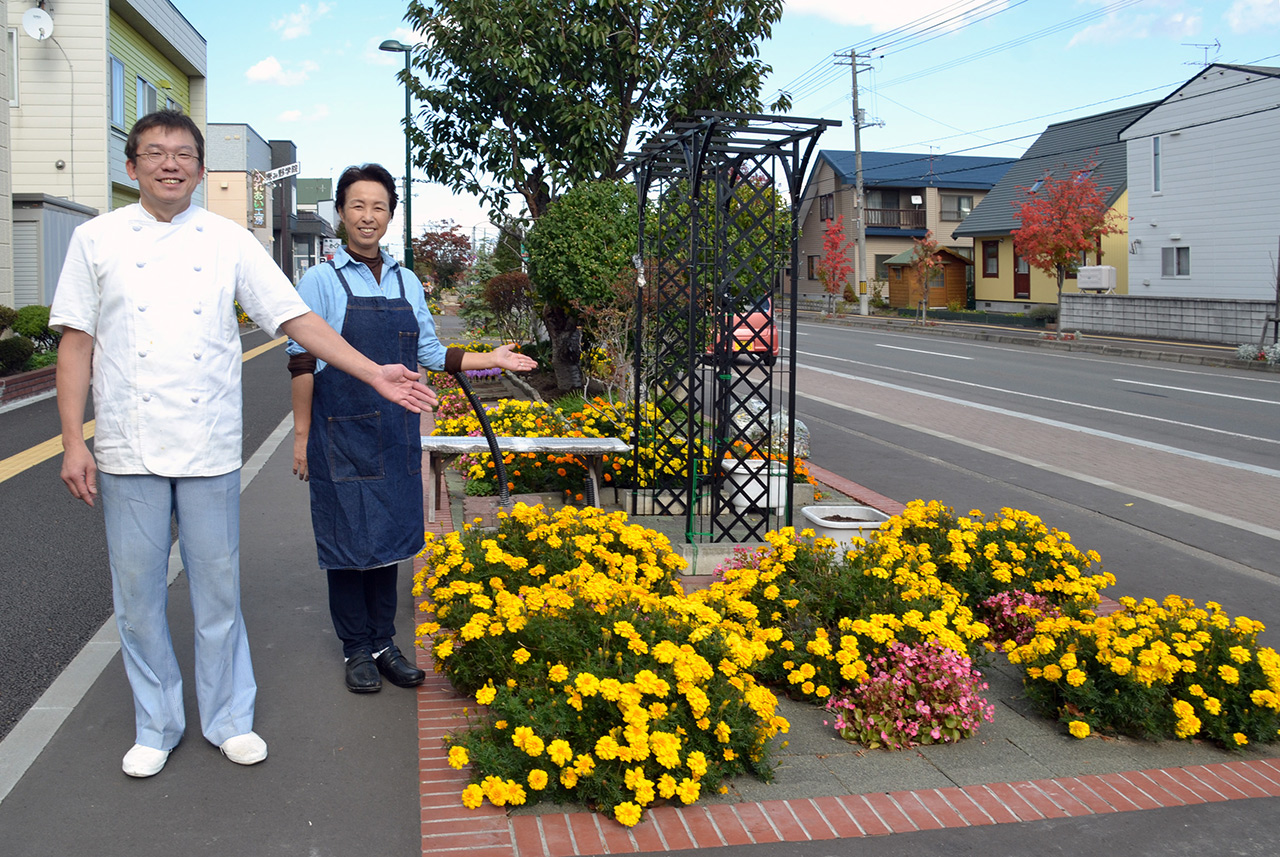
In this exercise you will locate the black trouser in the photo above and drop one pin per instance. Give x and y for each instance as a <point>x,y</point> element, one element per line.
<point>363,607</point>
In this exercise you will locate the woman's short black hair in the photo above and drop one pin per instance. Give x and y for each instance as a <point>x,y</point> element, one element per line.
<point>366,173</point>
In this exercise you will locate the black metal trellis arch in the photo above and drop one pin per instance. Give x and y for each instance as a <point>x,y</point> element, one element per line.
<point>714,405</point>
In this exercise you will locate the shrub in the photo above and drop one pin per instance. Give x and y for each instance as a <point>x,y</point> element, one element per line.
<point>850,294</point>
<point>603,684</point>
<point>33,322</point>
<point>7,316</point>
<point>922,694</point>
<point>1044,312</point>
<point>15,351</point>
<point>1155,671</point>
<point>1260,353</point>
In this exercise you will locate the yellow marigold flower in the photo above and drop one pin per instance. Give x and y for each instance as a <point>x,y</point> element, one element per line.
<point>520,655</point>
<point>1078,729</point>
<point>1213,705</point>
<point>627,814</point>
<point>666,786</point>
<point>558,673</point>
<point>1240,739</point>
<point>1121,666</point>
<point>584,765</point>
<point>729,755</point>
<point>1075,678</point>
<point>538,779</point>
<point>472,796</point>
<point>568,777</point>
<point>1229,674</point>
<point>1052,672</point>
<point>485,695</point>
<point>458,757</point>
<point>1241,655</point>
<point>559,751</point>
<point>689,790</point>
<point>696,762</point>
<point>1068,661</point>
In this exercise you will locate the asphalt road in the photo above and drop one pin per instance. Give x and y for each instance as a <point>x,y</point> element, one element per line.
<point>54,573</point>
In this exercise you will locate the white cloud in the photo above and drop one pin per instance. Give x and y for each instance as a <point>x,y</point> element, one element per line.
<point>881,16</point>
<point>1248,16</point>
<point>1122,28</point>
<point>313,114</point>
<point>270,70</point>
<point>297,24</point>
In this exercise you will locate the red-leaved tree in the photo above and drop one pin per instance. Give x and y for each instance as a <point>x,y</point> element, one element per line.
<point>834,268</point>
<point>1062,218</point>
<point>927,263</point>
<point>443,252</point>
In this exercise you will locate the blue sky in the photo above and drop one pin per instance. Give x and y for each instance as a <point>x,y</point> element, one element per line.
<point>979,77</point>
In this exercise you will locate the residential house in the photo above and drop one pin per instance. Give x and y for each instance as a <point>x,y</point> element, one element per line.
<point>73,95</point>
<point>1203,188</point>
<point>1004,282</point>
<point>948,287</point>
<point>907,195</point>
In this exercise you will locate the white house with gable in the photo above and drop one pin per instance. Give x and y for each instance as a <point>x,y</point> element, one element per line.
<point>1204,188</point>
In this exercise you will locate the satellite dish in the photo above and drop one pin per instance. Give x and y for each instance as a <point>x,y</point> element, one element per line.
<point>37,23</point>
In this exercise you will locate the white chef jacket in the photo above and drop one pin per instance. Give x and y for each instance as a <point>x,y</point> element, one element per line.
<point>158,300</point>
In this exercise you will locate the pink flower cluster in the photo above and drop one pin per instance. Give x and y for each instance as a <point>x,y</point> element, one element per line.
<point>1013,615</point>
<point>921,694</point>
<point>740,558</point>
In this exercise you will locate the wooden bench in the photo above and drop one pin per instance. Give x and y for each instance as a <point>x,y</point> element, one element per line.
<point>441,448</point>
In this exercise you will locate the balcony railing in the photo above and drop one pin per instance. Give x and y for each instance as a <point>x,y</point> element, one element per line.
<point>896,218</point>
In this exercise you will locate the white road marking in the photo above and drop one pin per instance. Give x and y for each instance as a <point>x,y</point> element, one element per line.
<point>1158,447</point>
<point>1083,405</point>
<point>922,351</point>
<point>1198,392</point>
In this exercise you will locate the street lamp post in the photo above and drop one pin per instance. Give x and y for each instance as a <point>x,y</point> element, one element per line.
<point>400,47</point>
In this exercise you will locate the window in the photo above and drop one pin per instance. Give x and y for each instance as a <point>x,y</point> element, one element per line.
<point>1175,261</point>
<point>116,69</point>
<point>882,270</point>
<point>827,206</point>
<point>1035,186</point>
<point>170,104</point>
<point>148,98</point>
<point>956,207</point>
<point>813,267</point>
<point>990,258</point>
<point>1156,179</point>
<point>13,68</point>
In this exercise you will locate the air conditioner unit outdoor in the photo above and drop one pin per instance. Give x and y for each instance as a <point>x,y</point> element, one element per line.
<point>1096,278</point>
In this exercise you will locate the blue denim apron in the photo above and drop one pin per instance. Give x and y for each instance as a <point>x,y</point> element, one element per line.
<point>364,453</point>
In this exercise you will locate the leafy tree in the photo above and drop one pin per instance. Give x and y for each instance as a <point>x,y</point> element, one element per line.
<point>529,96</point>
<point>834,268</point>
<point>510,299</point>
<point>927,262</point>
<point>443,252</point>
<point>578,249</point>
<point>1060,219</point>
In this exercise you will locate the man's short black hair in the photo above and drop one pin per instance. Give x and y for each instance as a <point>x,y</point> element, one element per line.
<point>366,173</point>
<point>174,120</point>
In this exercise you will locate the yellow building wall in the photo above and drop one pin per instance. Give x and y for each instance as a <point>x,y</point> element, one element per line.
<point>141,59</point>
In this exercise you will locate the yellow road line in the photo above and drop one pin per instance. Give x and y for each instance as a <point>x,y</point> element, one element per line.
<point>42,452</point>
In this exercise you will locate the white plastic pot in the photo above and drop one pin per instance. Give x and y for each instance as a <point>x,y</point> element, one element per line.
<point>754,483</point>
<point>843,523</point>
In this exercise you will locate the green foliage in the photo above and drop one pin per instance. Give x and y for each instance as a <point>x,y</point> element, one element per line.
<point>525,96</point>
<point>509,299</point>
<point>40,360</point>
<point>583,244</point>
<point>33,322</point>
<point>1048,312</point>
<point>15,351</point>
<point>7,316</point>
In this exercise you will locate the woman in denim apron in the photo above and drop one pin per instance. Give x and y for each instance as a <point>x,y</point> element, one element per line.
<point>362,455</point>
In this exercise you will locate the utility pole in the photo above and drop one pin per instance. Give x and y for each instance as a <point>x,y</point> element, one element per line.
<point>864,299</point>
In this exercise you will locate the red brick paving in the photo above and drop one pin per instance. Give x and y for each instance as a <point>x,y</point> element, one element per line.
<point>490,832</point>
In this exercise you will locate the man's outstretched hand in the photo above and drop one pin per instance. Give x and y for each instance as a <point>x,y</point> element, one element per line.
<point>399,384</point>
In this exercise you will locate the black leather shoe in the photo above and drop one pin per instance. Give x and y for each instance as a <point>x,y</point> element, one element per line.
<point>396,667</point>
<point>362,676</point>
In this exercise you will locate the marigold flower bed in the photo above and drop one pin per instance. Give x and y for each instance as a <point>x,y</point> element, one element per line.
<point>607,685</point>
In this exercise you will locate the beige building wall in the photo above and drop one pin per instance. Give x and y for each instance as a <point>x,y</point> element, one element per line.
<point>60,117</point>
<point>6,175</point>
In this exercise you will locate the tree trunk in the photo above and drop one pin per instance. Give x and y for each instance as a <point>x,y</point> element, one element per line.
<point>566,348</point>
<point>1062,276</point>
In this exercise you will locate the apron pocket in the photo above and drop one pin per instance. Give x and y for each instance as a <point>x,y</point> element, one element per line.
<point>355,447</point>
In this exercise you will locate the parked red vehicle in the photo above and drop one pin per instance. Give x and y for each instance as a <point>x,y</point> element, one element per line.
<point>755,334</point>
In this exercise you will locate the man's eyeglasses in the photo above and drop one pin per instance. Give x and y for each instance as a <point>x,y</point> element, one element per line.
<point>183,159</point>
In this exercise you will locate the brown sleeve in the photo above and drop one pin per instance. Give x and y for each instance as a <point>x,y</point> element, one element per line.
<point>453,359</point>
<point>301,364</point>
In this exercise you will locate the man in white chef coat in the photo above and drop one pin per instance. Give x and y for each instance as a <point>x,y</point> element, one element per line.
<point>145,304</point>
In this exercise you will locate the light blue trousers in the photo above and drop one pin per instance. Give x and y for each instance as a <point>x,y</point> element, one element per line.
<point>137,510</point>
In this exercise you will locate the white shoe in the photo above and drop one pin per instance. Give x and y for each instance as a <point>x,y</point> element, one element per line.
<point>143,761</point>
<point>246,749</point>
